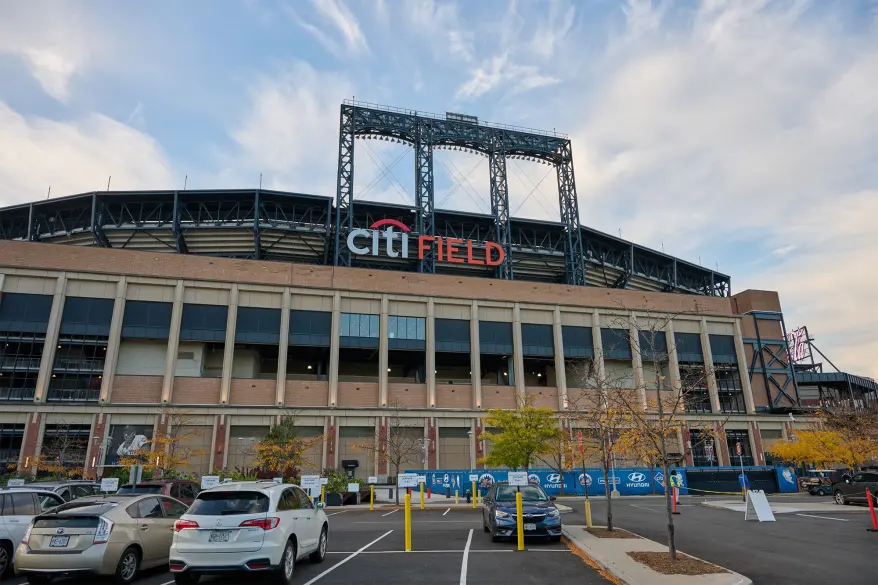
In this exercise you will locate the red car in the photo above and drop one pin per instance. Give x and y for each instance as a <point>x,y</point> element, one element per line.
<point>179,489</point>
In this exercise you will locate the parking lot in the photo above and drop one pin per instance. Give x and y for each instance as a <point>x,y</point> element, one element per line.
<point>798,549</point>
<point>449,546</point>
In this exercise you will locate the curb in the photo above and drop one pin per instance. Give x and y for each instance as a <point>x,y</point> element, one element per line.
<point>621,576</point>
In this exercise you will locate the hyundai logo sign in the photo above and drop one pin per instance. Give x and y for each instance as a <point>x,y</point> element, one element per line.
<point>553,478</point>
<point>636,477</point>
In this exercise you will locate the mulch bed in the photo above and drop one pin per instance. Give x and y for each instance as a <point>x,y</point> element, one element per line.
<point>604,533</point>
<point>684,565</point>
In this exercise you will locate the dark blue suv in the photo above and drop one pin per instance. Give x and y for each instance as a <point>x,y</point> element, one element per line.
<point>541,516</point>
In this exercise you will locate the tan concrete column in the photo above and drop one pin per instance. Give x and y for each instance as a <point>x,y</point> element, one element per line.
<point>334,342</point>
<point>283,348</point>
<point>708,368</point>
<point>472,447</point>
<point>518,354</point>
<point>382,352</point>
<point>598,346</point>
<point>173,344</point>
<point>743,369</point>
<point>54,326</point>
<point>475,360</point>
<point>229,347</point>
<point>560,368</point>
<point>673,362</point>
<point>637,360</point>
<point>431,354</point>
<point>112,355</point>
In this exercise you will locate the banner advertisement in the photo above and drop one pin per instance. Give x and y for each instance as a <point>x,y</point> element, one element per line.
<point>126,440</point>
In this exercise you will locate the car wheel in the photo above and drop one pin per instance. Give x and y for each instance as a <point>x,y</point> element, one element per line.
<point>318,555</point>
<point>485,528</point>
<point>128,567</point>
<point>284,572</point>
<point>840,499</point>
<point>5,560</point>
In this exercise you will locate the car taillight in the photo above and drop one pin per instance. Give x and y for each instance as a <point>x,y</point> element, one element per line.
<point>26,536</point>
<point>184,524</point>
<point>102,534</point>
<point>263,523</point>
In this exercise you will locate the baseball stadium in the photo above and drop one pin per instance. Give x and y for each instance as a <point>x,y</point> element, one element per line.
<point>240,306</point>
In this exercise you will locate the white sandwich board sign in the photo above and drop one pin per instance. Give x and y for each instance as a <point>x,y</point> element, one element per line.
<point>758,507</point>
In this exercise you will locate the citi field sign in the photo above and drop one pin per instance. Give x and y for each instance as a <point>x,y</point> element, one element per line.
<point>395,244</point>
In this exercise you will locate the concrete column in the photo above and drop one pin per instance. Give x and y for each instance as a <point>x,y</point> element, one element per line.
<point>708,368</point>
<point>283,348</point>
<point>598,346</point>
<point>29,441</point>
<point>173,344</point>
<point>213,436</point>
<point>743,369</point>
<point>756,447</point>
<point>472,444</point>
<point>673,362</point>
<point>431,354</point>
<point>722,449</point>
<point>112,355</point>
<point>323,462</point>
<point>51,343</point>
<point>334,342</point>
<point>474,357</point>
<point>637,360</point>
<point>229,347</point>
<point>560,368</point>
<point>382,352</point>
<point>95,440</point>
<point>518,354</point>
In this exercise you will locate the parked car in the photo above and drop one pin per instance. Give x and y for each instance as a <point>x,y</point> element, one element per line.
<point>179,489</point>
<point>541,515</point>
<point>114,535</point>
<point>17,508</point>
<point>854,489</point>
<point>69,490</point>
<point>819,482</point>
<point>256,527</point>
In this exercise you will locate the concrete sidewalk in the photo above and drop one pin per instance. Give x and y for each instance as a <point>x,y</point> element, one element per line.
<point>788,508</point>
<point>611,554</point>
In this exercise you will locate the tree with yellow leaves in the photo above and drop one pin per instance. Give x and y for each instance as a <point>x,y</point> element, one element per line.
<point>170,451</point>
<point>284,450</point>
<point>842,435</point>
<point>520,435</point>
<point>62,452</point>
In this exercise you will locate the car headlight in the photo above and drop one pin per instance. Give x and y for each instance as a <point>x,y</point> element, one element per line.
<point>554,512</point>
<point>501,514</point>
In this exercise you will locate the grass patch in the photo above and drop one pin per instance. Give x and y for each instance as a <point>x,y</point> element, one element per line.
<point>660,562</point>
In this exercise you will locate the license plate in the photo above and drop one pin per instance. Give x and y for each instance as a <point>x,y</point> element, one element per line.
<point>58,541</point>
<point>218,536</point>
<point>530,526</point>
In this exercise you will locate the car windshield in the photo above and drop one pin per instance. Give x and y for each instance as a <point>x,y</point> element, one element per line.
<point>529,493</point>
<point>229,503</point>
<point>140,489</point>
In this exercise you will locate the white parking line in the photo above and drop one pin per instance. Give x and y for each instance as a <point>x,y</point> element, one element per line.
<point>465,558</point>
<point>824,517</point>
<point>346,559</point>
<point>389,513</point>
<point>643,508</point>
<point>446,511</point>
<point>399,552</point>
<point>334,513</point>
<point>423,522</point>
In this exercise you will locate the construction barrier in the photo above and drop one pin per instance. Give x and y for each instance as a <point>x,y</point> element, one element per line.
<point>870,499</point>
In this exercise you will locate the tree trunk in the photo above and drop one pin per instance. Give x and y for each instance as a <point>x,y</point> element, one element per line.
<point>669,506</point>
<point>396,491</point>
<point>607,489</point>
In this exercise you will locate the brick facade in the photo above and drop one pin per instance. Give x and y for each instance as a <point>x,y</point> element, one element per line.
<point>245,391</point>
<point>136,389</point>
<point>196,391</point>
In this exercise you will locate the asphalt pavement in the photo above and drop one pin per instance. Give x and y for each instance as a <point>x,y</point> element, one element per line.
<point>797,549</point>
<point>449,547</point>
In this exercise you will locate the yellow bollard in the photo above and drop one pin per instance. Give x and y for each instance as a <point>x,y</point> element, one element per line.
<point>519,515</point>
<point>588,514</point>
<point>475,497</point>
<point>408,522</point>
<point>323,494</point>
<point>422,496</point>
<point>456,500</point>
<point>371,497</point>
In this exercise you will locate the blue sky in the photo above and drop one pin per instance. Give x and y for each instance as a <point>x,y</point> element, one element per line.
<point>741,134</point>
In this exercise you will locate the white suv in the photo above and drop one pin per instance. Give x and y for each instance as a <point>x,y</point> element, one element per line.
<point>258,526</point>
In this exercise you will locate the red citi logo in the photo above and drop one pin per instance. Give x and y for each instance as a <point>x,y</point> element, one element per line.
<point>453,250</point>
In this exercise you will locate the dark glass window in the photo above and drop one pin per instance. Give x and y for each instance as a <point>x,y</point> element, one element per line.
<point>728,384</point>
<point>20,356</point>
<point>359,330</point>
<point>616,343</point>
<point>452,335</point>
<point>65,446</point>
<point>742,437</point>
<point>696,396</point>
<point>78,369</point>
<point>146,320</point>
<point>653,346</point>
<point>537,340</point>
<point>406,332</point>
<point>310,328</point>
<point>723,349</point>
<point>85,316</point>
<point>11,436</point>
<point>495,337</point>
<point>203,322</point>
<point>24,313</point>
<point>703,449</point>
<point>688,347</point>
<point>257,325</point>
<point>578,341</point>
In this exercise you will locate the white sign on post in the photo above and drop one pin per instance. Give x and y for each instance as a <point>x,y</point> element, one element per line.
<point>209,481</point>
<point>353,487</point>
<point>324,480</point>
<point>474,477</point>
<point>110,484</point>
<point>422,479</point>
<point>757,505</point>
<point>407,480</point>
<point>15,483</point>
<point>311,484</point>
<point>517,478</point>
<point>278,480</point>
<point>373,479</point>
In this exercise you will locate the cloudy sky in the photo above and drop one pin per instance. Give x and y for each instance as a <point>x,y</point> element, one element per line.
<point>741,134</point>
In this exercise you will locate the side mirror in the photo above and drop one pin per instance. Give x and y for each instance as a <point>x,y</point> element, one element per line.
<point>552,498</point>
<point>320,505</point>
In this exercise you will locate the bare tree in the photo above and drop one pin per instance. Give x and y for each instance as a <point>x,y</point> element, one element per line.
<point>62,451</point>
<point>396,446</point>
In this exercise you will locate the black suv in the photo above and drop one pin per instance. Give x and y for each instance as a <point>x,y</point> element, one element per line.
<point>541,515</point>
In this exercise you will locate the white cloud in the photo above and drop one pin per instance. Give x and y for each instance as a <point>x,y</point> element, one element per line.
<point>500,71</point>
<point>440,27</point>
<point>335,13</point>
<point>74,157</point>
<point>553,30</point>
